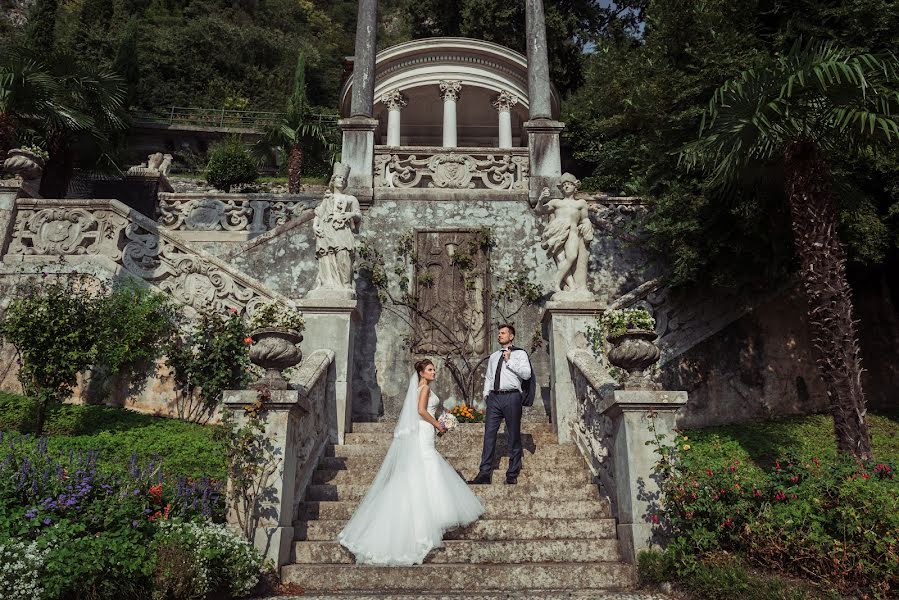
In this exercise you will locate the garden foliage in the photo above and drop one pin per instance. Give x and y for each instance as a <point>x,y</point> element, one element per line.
<point>230,164</point>
<point>827,517</point>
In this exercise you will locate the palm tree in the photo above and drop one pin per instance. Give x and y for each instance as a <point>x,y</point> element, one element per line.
<point>58,103</point>
<point>298,130</point>
<point>796,113</point>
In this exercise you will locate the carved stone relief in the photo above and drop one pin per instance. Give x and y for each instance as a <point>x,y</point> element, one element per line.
<point>455,302</point>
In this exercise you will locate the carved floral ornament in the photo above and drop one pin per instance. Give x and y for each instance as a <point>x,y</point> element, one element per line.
<point>452,171</point>
<point>233,214</point>
<point>450,89</point>
<point>134,242</point>
<point>504,101</point>
<point>394,100</point>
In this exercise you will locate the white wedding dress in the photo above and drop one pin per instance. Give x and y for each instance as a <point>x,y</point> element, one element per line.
<point>414,499</point>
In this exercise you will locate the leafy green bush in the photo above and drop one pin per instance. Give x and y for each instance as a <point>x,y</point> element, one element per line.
<point>230,163</point>
<point>213,358</point>
<point>71,323</point>
<point>834,519</point>
<point>275,314</point>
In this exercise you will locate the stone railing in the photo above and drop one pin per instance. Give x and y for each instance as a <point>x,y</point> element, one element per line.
<point>618,432</point>
<point>107,231</point>
<point>295,424</point>
<point>451,168</point>
<point>244,213</point>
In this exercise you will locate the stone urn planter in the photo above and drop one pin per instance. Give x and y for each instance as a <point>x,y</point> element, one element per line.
<point>275,349</point>
<point>635,351</point>
<point>24,163</point>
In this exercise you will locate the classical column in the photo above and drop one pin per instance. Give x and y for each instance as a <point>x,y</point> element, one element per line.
<point>358,149</point>
<point>544,149</point>
<point>503,104</point>
<point>395,102</point>
<point>450,91</point>
<point>364,60</point>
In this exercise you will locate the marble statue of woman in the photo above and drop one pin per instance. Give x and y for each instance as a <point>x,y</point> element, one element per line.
<point>335,226</point>
<point>567,237</point>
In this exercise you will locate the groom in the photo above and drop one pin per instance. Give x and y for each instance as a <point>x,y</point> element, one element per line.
<point>508,385</point>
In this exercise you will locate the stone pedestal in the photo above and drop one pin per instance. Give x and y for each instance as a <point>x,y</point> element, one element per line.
<point>632,415</point>
<point>562,322</point>
<point>545,155</point>
<point>358,151</point>
<point>331,323</point>
<point>273,522</point>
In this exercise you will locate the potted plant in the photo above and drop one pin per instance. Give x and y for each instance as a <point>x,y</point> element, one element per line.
<point>631,332</point>
<point>275,337</point>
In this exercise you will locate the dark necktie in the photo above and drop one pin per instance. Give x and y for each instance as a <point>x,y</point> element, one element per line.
<point>499,370</point>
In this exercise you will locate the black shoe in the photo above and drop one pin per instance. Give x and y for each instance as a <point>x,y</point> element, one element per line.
<point>511,479</point>
<point>481,478</point>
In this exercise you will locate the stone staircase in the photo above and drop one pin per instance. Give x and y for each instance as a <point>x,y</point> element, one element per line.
<point>552,535</point>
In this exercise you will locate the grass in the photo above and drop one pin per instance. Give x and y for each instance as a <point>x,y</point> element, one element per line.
<point>758,445</point>
<point>185,449</point>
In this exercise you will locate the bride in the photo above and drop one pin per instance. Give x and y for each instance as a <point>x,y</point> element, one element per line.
<point>416,496</point>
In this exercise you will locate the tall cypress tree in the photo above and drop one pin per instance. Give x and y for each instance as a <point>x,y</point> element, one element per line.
<point>40,31</point>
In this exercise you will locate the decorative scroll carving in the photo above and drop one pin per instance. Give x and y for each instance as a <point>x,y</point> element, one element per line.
<point>454,305</point>
<point>244,214</point>
<point>447,169</point>
<point>109,229</point>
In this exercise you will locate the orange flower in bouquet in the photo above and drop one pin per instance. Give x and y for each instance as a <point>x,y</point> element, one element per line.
<point>467,414</point>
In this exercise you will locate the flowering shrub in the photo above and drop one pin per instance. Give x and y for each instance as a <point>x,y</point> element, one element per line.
<point>275,314</point>
<point>93,528</point>
<point>834,520</point>
<point>213,358</point>
<point>196,560</point>
<point>21,566</point>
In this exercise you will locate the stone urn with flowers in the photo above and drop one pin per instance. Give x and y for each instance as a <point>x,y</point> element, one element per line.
<point>275,342</point>
<point>631,332</point>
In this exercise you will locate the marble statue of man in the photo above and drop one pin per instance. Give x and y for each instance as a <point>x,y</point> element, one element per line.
<point>567,237</point>
<point>336,223</point>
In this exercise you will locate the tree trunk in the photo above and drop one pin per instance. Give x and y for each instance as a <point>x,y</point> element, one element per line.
<point>40,416</point>
<point>59,166</point>
<point>822,258</point>
<point>295,169</point>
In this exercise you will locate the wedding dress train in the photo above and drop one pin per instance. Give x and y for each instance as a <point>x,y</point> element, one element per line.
<point>414,499</point>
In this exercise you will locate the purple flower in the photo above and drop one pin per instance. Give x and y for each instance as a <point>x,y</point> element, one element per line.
<point>135,524</point>
<point>30,513</point>
<point>47,521</point>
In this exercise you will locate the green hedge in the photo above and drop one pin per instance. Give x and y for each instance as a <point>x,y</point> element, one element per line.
<point>185,449</point>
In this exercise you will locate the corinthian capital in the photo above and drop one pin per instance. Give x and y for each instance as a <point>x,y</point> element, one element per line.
<point>504,101</point>
<point>394,100</point>
<point>450,89</point>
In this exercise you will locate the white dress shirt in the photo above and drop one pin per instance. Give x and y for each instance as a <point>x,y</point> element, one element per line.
<point>514,372</point>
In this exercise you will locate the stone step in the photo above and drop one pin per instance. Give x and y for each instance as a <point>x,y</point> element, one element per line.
<point>452,439</point>
<point>473,428</point>
<point>547,491</point>
<point>537,462</point>
<point>475,551</point>
<point>581,594</point>
<point>510,578</point>
<point>533,473</point>
<point>487,529</point>
<point>471,452</point>
<point>495,508</point>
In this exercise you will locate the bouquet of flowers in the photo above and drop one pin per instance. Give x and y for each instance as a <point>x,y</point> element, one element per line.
<point>467,414</point>
<point>448,420</point>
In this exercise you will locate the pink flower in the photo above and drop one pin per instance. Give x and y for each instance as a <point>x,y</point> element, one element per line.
<point>655,519</point>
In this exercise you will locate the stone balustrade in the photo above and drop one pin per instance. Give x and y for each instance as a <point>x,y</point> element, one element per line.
<point>239,213</point>
<point>451,168</point>
<point>295,429</point>
<point>108,235</point>
<point>618,432</point>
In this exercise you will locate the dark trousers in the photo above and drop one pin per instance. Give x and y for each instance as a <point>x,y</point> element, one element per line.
<point>502,407</point>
